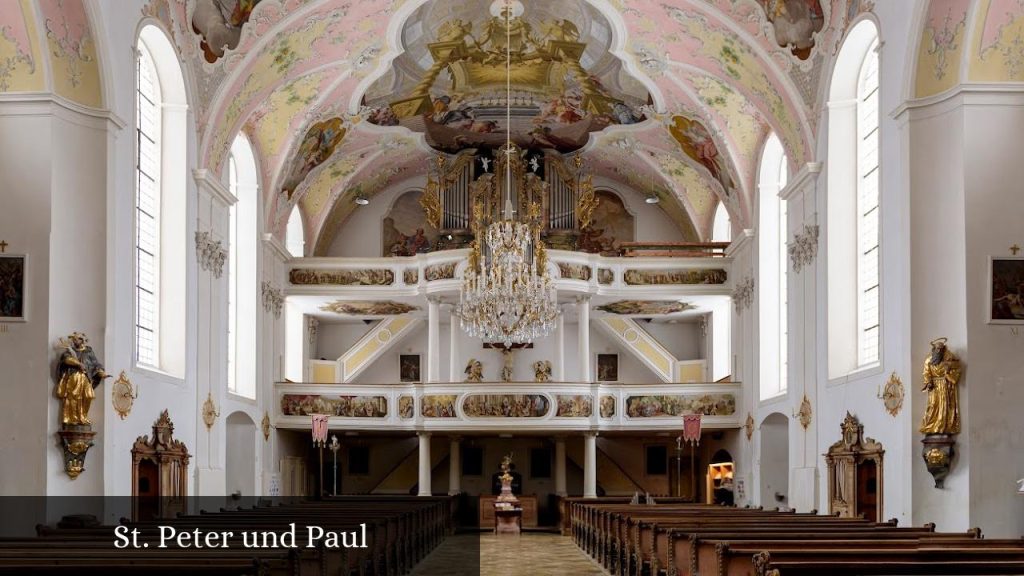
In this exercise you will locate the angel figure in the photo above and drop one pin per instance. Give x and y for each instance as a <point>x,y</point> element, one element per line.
<point>542,371</point>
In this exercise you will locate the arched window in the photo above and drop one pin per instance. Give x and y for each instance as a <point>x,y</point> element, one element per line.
<point>772,270</point>
<point>721,229</point>
<point>242,275</point>
<point>160,168</point>
<point>295,240</point>
<point>854,323</point>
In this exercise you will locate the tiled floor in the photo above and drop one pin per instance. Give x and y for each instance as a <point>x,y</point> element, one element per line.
<point>531,554</point>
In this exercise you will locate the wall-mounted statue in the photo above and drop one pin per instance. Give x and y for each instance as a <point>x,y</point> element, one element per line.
<point>79,372</point>
<point>474,371</point>
<point>542,371</point>
<point>941,419</point>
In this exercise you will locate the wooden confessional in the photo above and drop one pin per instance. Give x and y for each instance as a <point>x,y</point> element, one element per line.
<point>855,473</point>
<point>159,473</point>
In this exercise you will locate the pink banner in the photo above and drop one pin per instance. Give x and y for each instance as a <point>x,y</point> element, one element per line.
<point>319,429</point>
<point>691,428</point>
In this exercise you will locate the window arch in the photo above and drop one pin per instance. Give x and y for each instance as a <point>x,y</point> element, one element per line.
<point>772,270</point>
<point>721,229</point>
<point>295,234</point>
<point>854,326</point>
<point>160,201</point>
<point>243,233</point>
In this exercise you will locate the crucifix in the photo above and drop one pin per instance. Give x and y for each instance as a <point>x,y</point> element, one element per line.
<point>1013,249</point>
<point>3,246</point>
<point>506,352</point>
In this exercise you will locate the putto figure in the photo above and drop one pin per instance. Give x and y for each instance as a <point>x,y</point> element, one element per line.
<point>79,372</point>
<point>941,375</point>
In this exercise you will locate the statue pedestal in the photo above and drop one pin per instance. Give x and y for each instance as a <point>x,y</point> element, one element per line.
<point>75,439</point>
<point>937,450</point>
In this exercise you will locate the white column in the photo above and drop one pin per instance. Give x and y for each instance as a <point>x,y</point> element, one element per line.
<point>590,465</point>
<point>454,468</point>
<point>453,354</point>
<point>433,340</point>
<point>424,477</point>
<point>583,310</point>
<point>560,466</point>
<point>560,348</point>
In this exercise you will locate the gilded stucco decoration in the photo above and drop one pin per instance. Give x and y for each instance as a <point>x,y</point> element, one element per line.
<point>804,413</point>
<point>265,426</point>
<point>209,411</point>
<point>892,395</point>
<point>123,395</point>
<point>748,426</point>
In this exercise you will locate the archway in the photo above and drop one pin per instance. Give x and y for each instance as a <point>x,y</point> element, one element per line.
<point>774,461</point>
<point>242,455</point>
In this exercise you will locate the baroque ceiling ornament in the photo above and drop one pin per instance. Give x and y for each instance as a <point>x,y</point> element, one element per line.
<point>210,253</point>
<point>803,248</point>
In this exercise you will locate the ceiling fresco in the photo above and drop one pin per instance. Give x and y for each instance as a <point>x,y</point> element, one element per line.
<point>671,98</point>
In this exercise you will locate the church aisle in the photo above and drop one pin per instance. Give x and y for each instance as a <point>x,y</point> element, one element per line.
<point>530,554</point>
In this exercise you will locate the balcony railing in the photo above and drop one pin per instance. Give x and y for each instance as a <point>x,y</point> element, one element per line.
<point>508,406</point>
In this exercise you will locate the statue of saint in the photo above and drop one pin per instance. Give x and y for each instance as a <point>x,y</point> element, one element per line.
<point>79,372</point>
<point>542,371</point>
<point>474,371</point>
<point>941,375</point>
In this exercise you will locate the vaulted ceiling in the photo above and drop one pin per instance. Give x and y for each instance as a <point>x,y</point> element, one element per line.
<point>303,79</point>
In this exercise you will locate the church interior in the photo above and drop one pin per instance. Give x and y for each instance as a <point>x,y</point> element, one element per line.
<point>580,286</point>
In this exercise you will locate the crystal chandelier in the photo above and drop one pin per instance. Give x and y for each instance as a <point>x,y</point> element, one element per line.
<point>507,295</point>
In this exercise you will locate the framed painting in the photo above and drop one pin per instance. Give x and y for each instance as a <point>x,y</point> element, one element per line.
<point>1006,290</point>
<point>607,367</point>
<point>409,367</point>
<point>12,287</point>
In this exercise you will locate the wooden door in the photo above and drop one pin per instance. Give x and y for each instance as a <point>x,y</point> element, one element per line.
<point>867,490</point>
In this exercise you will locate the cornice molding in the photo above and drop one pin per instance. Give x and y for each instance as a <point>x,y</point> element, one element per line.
<point>805,177</point>
<point>48,104</point>
<point>207,181</point>
<point>972,93</point>
<point>277,247</point>
<point>739,243</point>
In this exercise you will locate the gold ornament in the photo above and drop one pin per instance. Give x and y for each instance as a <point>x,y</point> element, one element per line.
<point>748,426</point>
<point>265,426</point>
<point>892,395</point>
<point>804,413</point>
<point>210,412</point>
<point>123,395</point>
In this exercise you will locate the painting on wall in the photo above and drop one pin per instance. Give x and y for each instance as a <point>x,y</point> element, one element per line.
<point>409,367</point>
<point>697,143</point>
<point>219,23</point>
<point>607,367</point>
<point>406,407</point>
<point>438,406</point>
<point>405,230</point>
<point>645,307</point>
<point>506,405</point>
<point>655,406</point>
<point>369,307</point>
<point>344,406</point>
<point>317,146</point>
<point>611,224</point>
<point>607,406</point>
<point>577,406</point>
<point>795,22</point>
<point>1006,290</point>
<point>12,288</point>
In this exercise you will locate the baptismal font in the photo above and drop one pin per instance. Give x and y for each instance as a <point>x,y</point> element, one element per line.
<point>508,513</point>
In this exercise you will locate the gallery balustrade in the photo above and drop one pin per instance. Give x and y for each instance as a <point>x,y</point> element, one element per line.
<point>455,406</point>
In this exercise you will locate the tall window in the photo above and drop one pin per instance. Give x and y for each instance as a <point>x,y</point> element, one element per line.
<point>160,222</point>
<point>295,234</point>
<point>867,209</point>
<point>243,284</point>
<point>147,212</point>
<point>772,288</point>
<point>854,205</point>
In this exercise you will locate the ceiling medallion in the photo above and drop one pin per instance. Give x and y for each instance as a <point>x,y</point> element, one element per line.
<point>123,395</point>
<point>210,412</point>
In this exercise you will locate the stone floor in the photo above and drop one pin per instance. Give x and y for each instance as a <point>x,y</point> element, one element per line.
<point>529,554</point>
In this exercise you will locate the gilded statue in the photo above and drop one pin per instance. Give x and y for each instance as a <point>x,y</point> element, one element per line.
<point>506,36</point>
<point>474,371</point>
<point>79,372</point>
<point>941,375</point>
<point>542,371</point>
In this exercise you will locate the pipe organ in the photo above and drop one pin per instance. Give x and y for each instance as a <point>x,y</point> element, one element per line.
<point>558,186</point>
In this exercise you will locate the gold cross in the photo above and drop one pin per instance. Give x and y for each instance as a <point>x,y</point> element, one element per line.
<point>1014,249</point>
<point>3,246</point>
